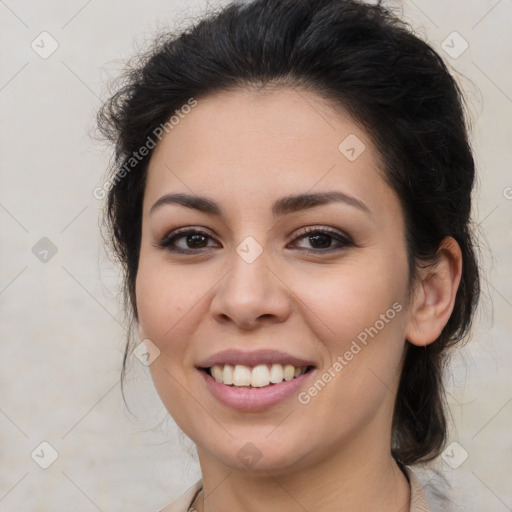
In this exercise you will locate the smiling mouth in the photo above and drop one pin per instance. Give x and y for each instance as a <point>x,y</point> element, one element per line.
<point>258,376</point>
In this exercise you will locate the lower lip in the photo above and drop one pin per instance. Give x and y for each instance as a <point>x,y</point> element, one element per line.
<point>254,399</point>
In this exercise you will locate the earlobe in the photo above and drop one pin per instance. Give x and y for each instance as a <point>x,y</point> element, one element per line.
<point>435,295</point>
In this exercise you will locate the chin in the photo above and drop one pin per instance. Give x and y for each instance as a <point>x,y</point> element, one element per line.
<point>257,452</point>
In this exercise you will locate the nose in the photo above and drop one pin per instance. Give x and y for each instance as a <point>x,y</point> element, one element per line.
<point>251,295</point>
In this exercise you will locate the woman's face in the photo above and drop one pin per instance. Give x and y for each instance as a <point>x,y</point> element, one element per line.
<point>265,279</point>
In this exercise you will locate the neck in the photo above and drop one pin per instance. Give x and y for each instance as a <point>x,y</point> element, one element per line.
<point>369,480</point>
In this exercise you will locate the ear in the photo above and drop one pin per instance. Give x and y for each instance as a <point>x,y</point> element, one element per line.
<point>434,296</point>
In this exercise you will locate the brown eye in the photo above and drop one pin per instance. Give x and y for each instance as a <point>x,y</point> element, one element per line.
<point>195,240</point>
<point>186,241</point>
<point>321,240</point>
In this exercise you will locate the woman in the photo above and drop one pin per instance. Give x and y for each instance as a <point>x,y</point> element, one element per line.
<point>291,201</point>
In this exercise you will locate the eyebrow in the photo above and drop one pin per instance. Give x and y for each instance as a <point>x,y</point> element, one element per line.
<point>282,206</point>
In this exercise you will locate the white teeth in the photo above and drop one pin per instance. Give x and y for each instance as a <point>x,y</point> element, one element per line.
<point>276,373</point>
<point>258,377</point>
<point>242,376</point>
<point>217,373</point>
<point>289,372</point>
<point>227,376</point>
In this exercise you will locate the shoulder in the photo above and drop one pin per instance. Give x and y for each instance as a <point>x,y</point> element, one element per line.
<point>419,502</point>
<point>430,485</point>
<point>183,503</point>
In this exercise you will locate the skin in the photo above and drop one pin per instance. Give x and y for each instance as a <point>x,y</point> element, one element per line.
<point>245,149</point>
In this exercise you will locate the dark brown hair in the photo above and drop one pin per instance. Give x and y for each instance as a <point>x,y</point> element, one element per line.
<point>364,60</point>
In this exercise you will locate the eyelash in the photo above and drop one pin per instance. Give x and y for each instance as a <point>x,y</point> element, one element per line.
<point>343,240</point>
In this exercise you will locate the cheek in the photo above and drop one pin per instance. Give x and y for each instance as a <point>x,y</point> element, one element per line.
<point>165,306</point>
<point>163,300</point>
<point>357,314</point>
<point>364,354</point>
<point>171,307</point>
<point>350,297</point>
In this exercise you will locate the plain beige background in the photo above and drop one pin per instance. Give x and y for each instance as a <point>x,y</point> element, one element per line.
<point>61,324</point>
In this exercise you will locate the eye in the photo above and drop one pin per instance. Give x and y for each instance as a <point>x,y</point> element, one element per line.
<point>186,241</point>
<point>321,239</point>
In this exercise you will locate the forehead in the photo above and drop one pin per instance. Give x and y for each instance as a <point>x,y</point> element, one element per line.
<point>248,147</point>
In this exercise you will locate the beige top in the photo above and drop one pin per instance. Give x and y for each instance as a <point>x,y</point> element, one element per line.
<point>419,501</point>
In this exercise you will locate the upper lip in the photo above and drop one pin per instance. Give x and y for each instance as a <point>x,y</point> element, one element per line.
<point>252,358</point>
